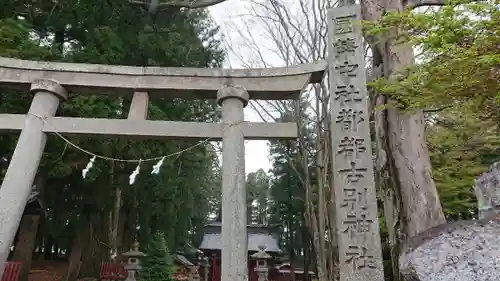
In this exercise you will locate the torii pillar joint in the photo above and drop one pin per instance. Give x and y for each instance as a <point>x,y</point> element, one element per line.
<point>23,166</point>
<point>234,219</point>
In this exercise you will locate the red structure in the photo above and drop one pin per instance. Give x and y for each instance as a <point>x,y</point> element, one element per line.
<point>22,254</point>
<point>257,235</point>
<point>112,271</point>
<point>11,272</point>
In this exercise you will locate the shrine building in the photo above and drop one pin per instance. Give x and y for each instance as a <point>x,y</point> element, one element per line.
<point>258,235</point>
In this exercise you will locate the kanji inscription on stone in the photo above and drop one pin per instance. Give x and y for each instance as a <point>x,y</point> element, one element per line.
<point>349,119</point>
<point>352,173</point>
<point>344,24</point>
<point>351,146</point>
<point>357,222</point>
<point>347,68</point>
<point>358,231</point>
<point>346,45</point>
<point>359,257</point>
<point>347,93</point>
<point>353,199</point>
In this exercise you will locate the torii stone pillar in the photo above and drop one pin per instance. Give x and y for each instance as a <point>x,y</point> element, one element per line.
<point>18,180</point>
<point>234,219</point>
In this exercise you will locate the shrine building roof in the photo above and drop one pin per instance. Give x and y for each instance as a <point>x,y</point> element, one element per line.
<point>182,260</point>
<point>257,235</point>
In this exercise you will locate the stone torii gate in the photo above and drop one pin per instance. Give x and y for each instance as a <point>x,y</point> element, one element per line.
<point>356,210</point>
<point>50,83</point>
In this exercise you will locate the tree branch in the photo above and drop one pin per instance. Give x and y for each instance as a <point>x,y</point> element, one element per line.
<point>432,110</point>
<point>413,4</point>
<point>191,4</point>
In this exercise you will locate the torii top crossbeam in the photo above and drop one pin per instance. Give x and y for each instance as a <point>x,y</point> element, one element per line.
<point>282,83</point>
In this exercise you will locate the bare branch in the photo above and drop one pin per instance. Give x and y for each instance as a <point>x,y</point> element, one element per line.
<point>433,110</point>
<point>413,4</point>
<point>295,32</point>
<point>256,104</point>
<point>190,4</point>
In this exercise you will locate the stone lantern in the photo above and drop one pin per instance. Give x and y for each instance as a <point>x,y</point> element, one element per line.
<point>203,263</point>
<point>133,262</point>
<point>206,268</point>
<point>261,268</point>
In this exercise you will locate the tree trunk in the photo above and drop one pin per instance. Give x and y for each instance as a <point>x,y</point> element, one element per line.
<point>332,230</point>
<point>95,250</point>
<point>291,249</point>
<point>74,260</point>
<point>413,170</point>
<point>26,243</point>
<point>115,221</point>
<point>321,212</point>
<point>310,214</point>
<point>411,202</point>
<point>130,232</point>
<point>306,246</point>
<point>114,215</point>
<point>37,255</point>
<point>47,247</point>
<point>56,251</point>
<point>120,246</point>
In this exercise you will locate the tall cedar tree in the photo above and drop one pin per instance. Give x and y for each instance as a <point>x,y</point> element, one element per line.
<point>114,32</point>
<point>157,265</point>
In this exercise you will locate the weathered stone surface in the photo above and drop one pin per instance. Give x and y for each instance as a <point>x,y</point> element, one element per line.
<point>18,180</point>
<point>461,251</point>
<point>487,189</point>
<point>358,232</point>
<point>280,83</point>
<point>234,250</point>
<point>148,129</point>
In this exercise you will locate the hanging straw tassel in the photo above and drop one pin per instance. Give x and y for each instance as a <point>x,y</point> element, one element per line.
<point>88,167</point>
<point>135,173</point>
<point>157,166</point>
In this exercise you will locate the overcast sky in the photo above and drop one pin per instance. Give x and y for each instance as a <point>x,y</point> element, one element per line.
<point>234,15</point>
<point>227,15</point>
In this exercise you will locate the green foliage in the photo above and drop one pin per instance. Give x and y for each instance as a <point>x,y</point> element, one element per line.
<point>287,204</point>
<point>15,41</point>
<point>157,266</point>
<point>455,78</point>
<point>462,147</point>
<point>458,60</point>
<point>257,197</point>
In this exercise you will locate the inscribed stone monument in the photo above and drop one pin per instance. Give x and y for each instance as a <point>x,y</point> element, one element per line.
<point>356,206</point>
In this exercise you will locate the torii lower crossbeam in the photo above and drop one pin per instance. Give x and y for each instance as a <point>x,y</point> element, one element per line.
<point>148,129</point>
